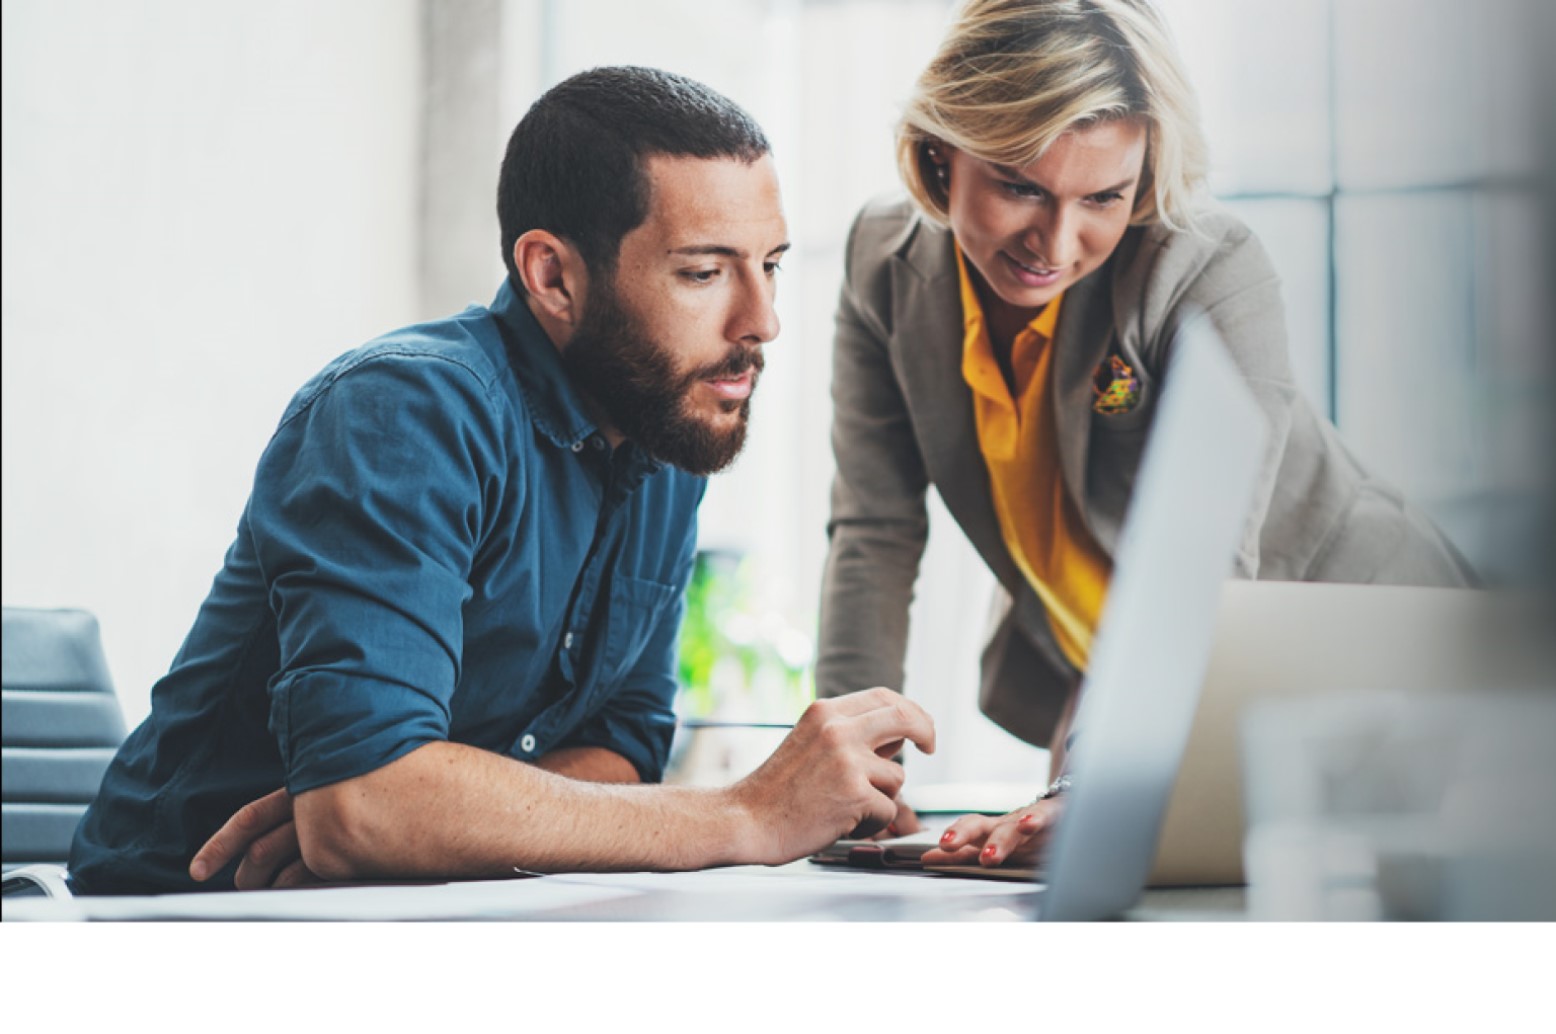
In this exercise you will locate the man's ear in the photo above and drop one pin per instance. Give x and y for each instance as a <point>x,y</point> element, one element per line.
<point>553,274</point>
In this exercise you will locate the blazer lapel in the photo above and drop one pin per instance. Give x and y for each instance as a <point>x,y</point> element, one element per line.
<point>927,344</point>
<point>1081,343</point>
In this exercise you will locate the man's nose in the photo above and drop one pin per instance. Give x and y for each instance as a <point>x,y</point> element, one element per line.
<point>756,320</point>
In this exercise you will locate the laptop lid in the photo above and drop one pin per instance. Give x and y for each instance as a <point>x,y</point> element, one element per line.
<point>1278,640</point>
<point>1138,700</point>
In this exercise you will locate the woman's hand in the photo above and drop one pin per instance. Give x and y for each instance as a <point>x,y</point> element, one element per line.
<point>1018,837</point>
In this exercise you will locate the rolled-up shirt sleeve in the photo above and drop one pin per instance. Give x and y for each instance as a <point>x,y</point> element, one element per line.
<point>369,505</point>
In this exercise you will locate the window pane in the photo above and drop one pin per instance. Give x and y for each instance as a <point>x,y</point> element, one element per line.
<point>1514,380</point>
<point>1261,69</point>
<point>1433,91</point>
<point>1406,345</point>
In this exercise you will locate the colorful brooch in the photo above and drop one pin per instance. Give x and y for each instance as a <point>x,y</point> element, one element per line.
<point>1116,387</point>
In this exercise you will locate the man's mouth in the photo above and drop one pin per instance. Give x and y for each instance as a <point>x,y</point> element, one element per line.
<point>734,379</point>
<point>734,388</point>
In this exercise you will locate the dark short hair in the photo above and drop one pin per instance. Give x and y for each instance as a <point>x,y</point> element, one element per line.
<point>574,164</point>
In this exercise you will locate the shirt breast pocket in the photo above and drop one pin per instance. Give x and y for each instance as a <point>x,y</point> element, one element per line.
<point>637,606</point>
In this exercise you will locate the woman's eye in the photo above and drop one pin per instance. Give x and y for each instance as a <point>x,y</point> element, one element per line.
<point>1104,200</point>
<point>1021,189</point>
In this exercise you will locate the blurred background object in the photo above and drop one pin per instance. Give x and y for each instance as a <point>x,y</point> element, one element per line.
<point>743,670</point>
<point>1400,807</point>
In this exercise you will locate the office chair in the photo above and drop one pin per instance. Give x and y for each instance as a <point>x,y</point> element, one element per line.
<point>61,726</point>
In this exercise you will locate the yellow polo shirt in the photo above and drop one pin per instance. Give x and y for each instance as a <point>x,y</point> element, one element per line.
<point>1016,433</point>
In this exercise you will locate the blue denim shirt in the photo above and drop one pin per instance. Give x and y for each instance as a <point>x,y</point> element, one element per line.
<point>440,545</point>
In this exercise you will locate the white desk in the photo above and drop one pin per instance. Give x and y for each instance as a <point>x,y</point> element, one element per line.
<point>799,891</point>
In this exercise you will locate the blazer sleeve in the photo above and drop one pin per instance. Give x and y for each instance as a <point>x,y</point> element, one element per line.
<point>879,525</point>
<point>1232,285</point>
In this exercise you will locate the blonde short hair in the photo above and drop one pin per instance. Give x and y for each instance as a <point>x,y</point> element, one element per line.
<point>1014,75</point>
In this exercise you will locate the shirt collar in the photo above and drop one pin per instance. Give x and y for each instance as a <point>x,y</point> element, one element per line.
<point>555,404</point>
<point>979,367</point>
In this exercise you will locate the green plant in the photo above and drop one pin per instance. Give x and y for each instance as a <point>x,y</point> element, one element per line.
<point>723,632</point>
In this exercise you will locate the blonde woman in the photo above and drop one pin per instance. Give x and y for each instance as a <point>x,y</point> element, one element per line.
<point>1003,334</point>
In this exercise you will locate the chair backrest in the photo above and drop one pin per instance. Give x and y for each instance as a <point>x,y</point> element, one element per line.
<point>61,725</point>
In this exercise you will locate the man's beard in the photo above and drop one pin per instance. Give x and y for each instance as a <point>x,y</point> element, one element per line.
<point>633,379</point>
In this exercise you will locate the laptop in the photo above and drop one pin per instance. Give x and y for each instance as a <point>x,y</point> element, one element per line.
<point>1148,659</point>
<point>1278,640</point>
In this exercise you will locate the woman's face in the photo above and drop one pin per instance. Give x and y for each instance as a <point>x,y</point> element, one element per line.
<point>1032,232</point>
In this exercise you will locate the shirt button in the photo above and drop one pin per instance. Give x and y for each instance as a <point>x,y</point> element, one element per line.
<point>567,641</point>
<point>527,744</point>
<point>578,445</point>
<point>599,443</point>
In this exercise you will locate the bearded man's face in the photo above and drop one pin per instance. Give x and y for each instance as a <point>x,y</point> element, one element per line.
<point>669,344</point>
<point>642,392</point>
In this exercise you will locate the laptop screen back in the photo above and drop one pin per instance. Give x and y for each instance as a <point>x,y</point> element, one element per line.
<point>1138,700</point>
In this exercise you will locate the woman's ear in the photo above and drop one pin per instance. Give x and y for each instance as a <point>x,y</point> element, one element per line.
<point>937,161</point>
<point>553,274</point>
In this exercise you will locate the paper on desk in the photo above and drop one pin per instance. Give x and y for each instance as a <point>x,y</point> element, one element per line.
<point>487,899</point>
<point>746,892</point>
<point>803,893</point>
<point>748,880</point>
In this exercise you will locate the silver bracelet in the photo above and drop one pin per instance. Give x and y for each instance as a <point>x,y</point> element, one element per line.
<point>1056,788</point>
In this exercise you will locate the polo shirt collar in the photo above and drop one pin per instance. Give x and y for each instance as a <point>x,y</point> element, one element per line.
<point>980,369</point>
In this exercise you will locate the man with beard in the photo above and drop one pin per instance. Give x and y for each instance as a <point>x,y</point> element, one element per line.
<point>447,626</point>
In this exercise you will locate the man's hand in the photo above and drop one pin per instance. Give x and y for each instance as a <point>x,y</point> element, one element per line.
<point>833,774</point>
<point>263,834</point>
<point>1018,837</point>
<point>905,824</point>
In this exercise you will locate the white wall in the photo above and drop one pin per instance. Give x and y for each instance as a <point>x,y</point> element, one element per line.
<point>203,203</point>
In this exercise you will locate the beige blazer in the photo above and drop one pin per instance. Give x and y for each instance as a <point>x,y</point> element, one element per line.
<point>903,420</point>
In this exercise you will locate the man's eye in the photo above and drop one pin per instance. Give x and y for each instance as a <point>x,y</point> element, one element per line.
<point>700,276</point>
<point>771,267</point>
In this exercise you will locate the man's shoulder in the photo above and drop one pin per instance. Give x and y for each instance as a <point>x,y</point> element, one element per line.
<point>459,353</point>
<point>468,341</point>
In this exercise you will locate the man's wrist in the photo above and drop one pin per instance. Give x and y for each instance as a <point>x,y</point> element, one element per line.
<point>742,837</point>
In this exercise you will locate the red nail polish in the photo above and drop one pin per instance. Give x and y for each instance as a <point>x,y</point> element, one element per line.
<point>988,852</point>
<point>891,827</point>
<point>947,837</point>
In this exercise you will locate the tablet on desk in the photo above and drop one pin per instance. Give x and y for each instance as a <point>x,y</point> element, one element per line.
<point>905,854</point>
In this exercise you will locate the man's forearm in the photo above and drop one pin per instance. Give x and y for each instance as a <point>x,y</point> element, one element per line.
<point>454,811</point>
<point>591,764</point>
<point>450,810</point>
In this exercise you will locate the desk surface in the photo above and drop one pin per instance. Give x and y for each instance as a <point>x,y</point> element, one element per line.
<point>795,892</point>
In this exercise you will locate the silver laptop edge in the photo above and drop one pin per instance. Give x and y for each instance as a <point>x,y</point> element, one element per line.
<point>1148,660</point>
